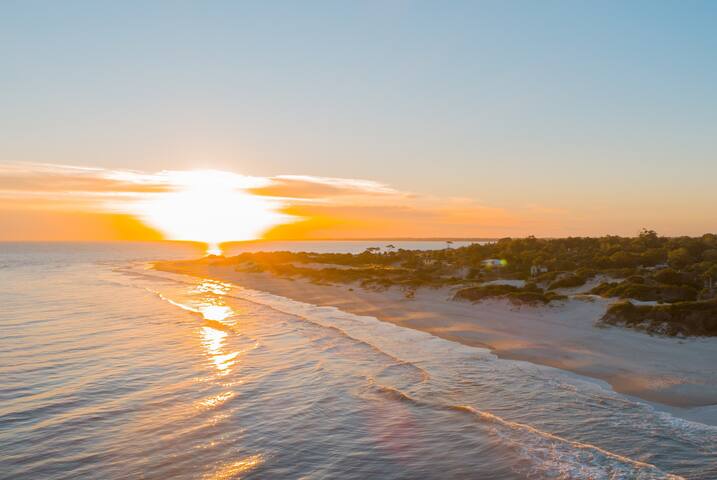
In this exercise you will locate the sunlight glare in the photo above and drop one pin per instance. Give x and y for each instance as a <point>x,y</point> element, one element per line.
<point>210,206</point>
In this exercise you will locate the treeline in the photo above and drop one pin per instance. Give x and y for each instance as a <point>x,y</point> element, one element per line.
<point>698,254</point>
<point>580,255</point>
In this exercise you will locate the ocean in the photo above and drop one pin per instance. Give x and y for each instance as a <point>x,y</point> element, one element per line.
<point>111,370</point>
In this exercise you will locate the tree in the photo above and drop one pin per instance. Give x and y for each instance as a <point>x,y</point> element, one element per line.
<point>710,255</point>
<point>679,257</point>
<point>649,238</point>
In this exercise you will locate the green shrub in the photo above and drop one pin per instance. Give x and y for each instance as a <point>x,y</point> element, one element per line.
<point>529,295</point>
<point>635,279</point>
<point>647,292</point>
<point>682,318</point>
<point>568,281</point>
<point>481,292</point>
<point>669,276</point>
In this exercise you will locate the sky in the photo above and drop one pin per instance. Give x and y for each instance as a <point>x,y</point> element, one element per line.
<point>359,119</point>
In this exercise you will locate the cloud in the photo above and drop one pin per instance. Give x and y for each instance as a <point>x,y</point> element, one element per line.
<point>64,186</point>
<point>317,188</point>
<point>302,206</point>
<point>62,178</point>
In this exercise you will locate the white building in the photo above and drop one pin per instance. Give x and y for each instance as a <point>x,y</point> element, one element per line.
<point>537,269</point>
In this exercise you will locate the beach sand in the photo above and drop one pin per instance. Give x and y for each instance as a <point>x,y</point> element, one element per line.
<point>670,371</point>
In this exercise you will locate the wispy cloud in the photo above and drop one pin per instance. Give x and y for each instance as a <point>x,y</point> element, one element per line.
<point>310,206</point>
<point>321,188</point>
<point>63,178</point>
<point>55,182</point>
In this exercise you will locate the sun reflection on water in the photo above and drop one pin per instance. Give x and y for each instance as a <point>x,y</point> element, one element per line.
<point>213,286</point>
<point>216,312</point>
<point>217,400</point>
<point>224,362</point>
<point>213,341</point>
<point>234,469</point>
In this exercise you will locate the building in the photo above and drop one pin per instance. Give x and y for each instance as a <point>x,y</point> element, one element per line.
<point>493,263</point>
<point>537,269</point>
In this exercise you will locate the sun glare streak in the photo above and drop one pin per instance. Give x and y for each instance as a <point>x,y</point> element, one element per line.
<point>211,207</point>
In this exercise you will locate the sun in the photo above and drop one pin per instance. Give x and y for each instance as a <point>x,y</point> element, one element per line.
<point>210,206</point>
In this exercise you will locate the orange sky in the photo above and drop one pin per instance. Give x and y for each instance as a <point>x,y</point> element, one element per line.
<point>20,225</point>
<point>58,202</point>
<point>43,202</point>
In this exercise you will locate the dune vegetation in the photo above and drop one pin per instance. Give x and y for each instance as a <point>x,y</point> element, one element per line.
<point>681,318</point>
<point>530,294</point>
<point>647,268</point>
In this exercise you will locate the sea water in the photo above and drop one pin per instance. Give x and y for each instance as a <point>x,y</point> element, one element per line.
<point>111,370</point>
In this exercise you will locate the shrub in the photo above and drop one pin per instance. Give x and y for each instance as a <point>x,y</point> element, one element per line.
<point>669,276</point>
<point>476,294</point>
<point>710,255</point>
<point>568,281</point>
<point>679,257</point>
<point>530,295</point>
<point>682,318</point>
<point>635,279</point>
<point>646,292</point>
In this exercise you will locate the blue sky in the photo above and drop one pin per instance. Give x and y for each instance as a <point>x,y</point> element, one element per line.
<point>578,105</point>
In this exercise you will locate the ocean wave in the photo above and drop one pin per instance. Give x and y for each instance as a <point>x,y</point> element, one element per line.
<point>549,455</point>
<point>545,454</point>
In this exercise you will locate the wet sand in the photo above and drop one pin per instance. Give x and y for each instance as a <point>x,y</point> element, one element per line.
<point>670,371</point>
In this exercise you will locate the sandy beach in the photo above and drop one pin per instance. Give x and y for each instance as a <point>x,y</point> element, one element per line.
<point>676,372</point>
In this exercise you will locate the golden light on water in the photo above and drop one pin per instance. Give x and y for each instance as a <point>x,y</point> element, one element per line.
<point>213,341</point>
<point>213,286</point>
<point>217,400</point>
<point>233,470</point>
<point>214,310</point>
<point>210,206</point>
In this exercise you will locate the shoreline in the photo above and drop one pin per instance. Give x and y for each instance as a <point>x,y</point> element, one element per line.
<point>670,372</point>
